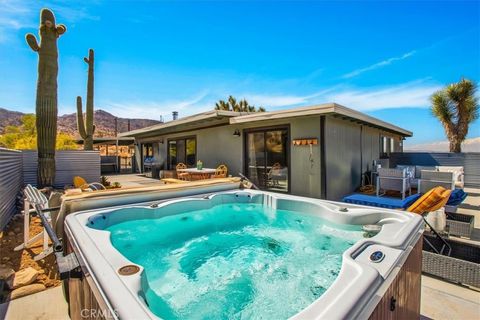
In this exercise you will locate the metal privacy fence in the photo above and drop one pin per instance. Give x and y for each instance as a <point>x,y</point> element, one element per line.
<point>69,163</point>
<point>469,161</point>
<point>18,168</point>
<point>11,183</point>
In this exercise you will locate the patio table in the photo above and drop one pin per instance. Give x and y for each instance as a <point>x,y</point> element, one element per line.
<point>196,174</point>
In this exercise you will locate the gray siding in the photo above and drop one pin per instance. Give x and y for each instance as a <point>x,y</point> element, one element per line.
<point>69,163</point>
<point>343,166</point>
<point>350,150</point>
<point>218,145</point>
<point>349,146</point>
<point>11,183</point>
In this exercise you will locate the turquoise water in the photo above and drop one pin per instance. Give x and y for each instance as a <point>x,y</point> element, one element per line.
<point>234,261</point>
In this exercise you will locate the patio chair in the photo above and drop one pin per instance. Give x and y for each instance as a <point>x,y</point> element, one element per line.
<point>220,172</point>
<point>182,175</point>
<point>458,174</point>
<point>393,179</point>
<point>432,178</point>
<point>275,175</point>
<point>40,204</point>
<point>81,183</point>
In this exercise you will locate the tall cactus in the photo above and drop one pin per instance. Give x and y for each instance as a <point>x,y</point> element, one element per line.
<point>46,100</point>
<point>87,128</point>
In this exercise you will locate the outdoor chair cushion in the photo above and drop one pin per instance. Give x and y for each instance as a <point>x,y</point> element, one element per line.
<point>457,197</point>
<point>382,202</point>
<point>433,200</point>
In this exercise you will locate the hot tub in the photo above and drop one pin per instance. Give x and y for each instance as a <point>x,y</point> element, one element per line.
<point>248,254</point>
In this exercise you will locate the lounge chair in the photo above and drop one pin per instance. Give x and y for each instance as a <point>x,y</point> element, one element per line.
<point>40,204</point>
<point>382,202</point>
<point>80,183</point>
<point>456,197</point>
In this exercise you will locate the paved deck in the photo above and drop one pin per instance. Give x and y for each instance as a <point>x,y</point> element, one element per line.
<point>46,305</point>
<point>134,180</point>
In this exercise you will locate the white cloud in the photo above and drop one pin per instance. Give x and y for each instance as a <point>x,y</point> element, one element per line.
<point>155,109</point>
<point>409,95</point>
<point>415,94</point>
<point>273,101</point>
<point>16,15</point>
<point>378,65</point>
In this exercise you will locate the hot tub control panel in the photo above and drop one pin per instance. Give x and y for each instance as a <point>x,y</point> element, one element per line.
<point>382,258</point>
<point>377,256</point>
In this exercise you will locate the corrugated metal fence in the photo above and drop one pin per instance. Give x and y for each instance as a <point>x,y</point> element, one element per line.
<point>18,168</point>
<point>470,162</point>
<point>69,163</point>
<point>11,183</point>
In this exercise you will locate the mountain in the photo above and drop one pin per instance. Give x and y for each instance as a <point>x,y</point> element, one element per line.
<point>469,145</point>
<point>67,123</point>
<point>9,118</point>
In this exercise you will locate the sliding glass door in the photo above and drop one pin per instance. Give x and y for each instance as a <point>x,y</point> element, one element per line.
<point>267,158</point>
<point>183,150</point>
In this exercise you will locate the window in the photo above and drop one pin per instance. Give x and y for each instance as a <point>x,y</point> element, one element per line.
<point>147,150</point>
<point>387,146</point>
<point>182,150</point>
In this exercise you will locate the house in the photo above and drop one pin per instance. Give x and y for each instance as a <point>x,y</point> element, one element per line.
<point>322,151</point>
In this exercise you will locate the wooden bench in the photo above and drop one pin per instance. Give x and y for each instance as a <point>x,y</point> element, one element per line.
<point>173,180</point>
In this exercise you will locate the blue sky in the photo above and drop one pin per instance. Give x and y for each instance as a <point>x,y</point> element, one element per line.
<point>153,57</point>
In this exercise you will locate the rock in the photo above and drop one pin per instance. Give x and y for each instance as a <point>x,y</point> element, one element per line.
<point>17,230</point>
<point>23,278</point>
<point>6,273</point>
<point>11,233</point>
<point>26,290</point>
<point>6,259</point>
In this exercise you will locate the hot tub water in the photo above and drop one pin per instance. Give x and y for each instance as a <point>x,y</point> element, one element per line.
<point>234,260</point>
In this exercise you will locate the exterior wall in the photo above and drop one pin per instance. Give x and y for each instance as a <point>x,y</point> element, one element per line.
<point>218,145</point>
<point>343,156</point>
<point>350,150</point>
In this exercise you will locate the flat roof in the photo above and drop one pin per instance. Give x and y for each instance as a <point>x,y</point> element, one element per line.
<point>220,117</point>
<point>109,140</point>
<point>321,109</point>
<point>199,119</point>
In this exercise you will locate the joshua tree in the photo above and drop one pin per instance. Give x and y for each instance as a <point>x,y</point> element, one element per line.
<point>86,128</point>
<point>232,105</point>
<point>46,101</point>
<point>456,107</point>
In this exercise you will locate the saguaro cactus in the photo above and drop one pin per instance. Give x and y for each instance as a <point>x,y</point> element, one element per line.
<point>87,128</point>
<point>46,101</point>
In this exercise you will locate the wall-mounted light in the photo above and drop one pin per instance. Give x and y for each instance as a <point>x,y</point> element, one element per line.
<point>237,133</point>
